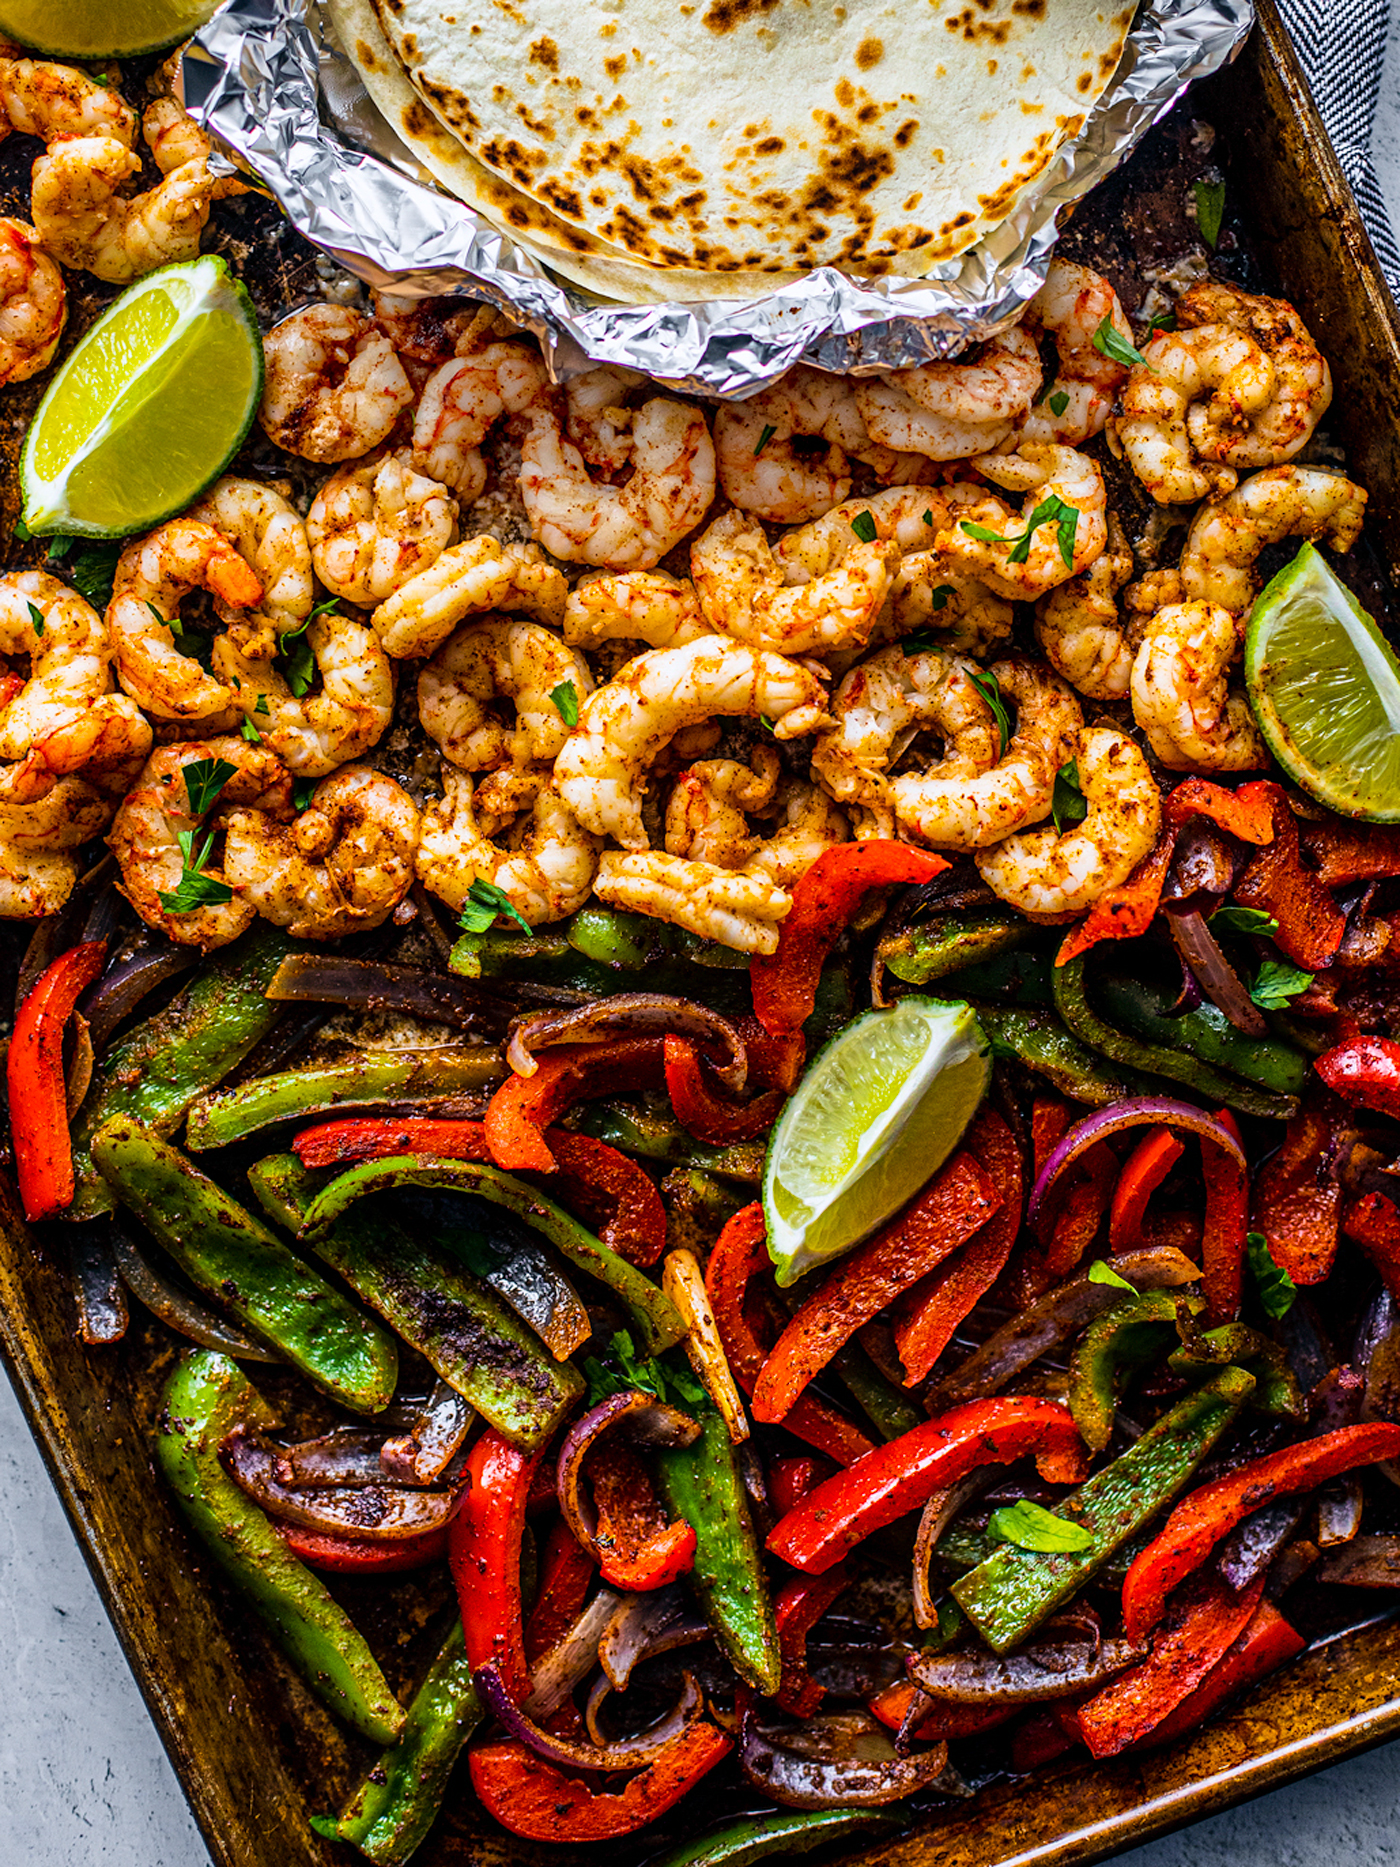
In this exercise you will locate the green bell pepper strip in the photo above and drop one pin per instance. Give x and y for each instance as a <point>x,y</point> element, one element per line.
<point>372,1077</point>
<point>1206,1033</point>
<point>205,1399</point>
<point>464,1331</point>
<point>949,942</point>
<point>754,1836</point>
<point>1200,1079</point>
<point>1277,1392</point>
<point>639,943</point>
<point>700,1483</point>
<point>1009,1594</point>
<point>233,1258</point>
<point>889,1411</point>
<point>158,1069</point>
<point>659,1323</point>
<point>1117,1338</point>
<point>396,1804</point>
<point>1040,1040</point>
<point>658,1137</point>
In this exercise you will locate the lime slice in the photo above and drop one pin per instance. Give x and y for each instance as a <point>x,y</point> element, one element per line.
<point>149,408</point>
<point>1325,689</point>
<point>879,1111</point>
<point>100,28</point>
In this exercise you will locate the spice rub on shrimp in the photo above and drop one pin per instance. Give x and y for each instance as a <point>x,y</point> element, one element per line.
<point>1021,562</point>
<point>39,844</point>
<point>154,575</point>
<point>1180,689</point>
<point>784,454</point>
<point>334,386</point>
<point>476,575</point>
<point>953,410</point>
<point>269,534</point>
<point>375,524</point>
<point>1228,534</point>
<point>711,802</point>
<point>1079,627</point>
<point>730,906</point>
<point>1071,308</point>
<point>52,101</point>
<point>342,865</point>
<point>633,606</point>
<point>741,591</point>
<point>545,868</point>
<point>623,726</point>
<point>460,404</point>
<point>1302,381</point>
<point>33,303</point>
<point>1045,872</point>
<point>316,730</point>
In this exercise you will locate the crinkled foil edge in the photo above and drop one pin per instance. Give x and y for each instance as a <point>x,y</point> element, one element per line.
<point>263,73</point>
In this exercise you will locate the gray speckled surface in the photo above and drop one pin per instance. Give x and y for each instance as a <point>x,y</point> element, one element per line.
<point>84,1782</point>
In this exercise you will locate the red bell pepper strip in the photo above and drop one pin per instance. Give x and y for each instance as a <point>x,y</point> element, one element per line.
<point>1225,1223</point>
<point>739,1253</point>
<point>639,1547</point>
<point>800,1604</point>
<point>1201,1519</point>
<point>1310,924</point>
<point>1040,1740</point>
<point>533,1799</point>
<point>566,1568</point>
<point>926,1316</point>
<point>1143,1172</point>
<point>484,1551</point>
<point>524,1106</point>
<point>793,1478</point>
<point>901,1477</point>
<point>1374,1222</point>
<point>704,1113</point>
<point>1296,1202</point>
<point>944,1723</point>
<point>1351,852</point>
<point>1049,1120</point>
<point>1247,813</point>
<point>774,1062</point>
<point>1203,1628</point>
<point>824,902</point>
<point>344,1555</point>
<point>1075,1225</point>
<point>34,1074</point>
<point>1365,1070</point>
<point>613,1193</point>
<point>1266,1643</point>
<point>957,1202</point>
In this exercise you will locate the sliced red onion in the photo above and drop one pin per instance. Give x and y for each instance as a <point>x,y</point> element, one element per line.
<point>374,985</point>
<point>627,1753</point>
<point>1134,1112</point>
<point>1047,1671</point>
<point>627,1013</point>
<point>1378,1356</point>
<point>541,1295</point>
<point>774,1764</point>
<point>1365,1562</point>
<point>376,1513</point>
<point>1218,979</point>
<point>645,1625</point>
<point>180,1311</point>
<point>1339,1506</point>
<point>128,982</point>
<point>346,1456</point>
<point>433,1439</point>
<point>1203,867</point>
<point>102,1316</point>
<point>648,1422</point>
<point>1290,1566</point>
<point>570,1661</point>
<point>688,1633</point>
<point>938,1513</point>
<point>1256,1543</point>
<point>79,1072</point>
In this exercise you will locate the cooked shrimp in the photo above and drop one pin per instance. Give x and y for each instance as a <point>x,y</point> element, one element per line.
<point>964,614</point>
<point>375,524</point>
<point>1056,476</point>
<point>1071,308</point>
<point>460,690</point>
<point>1227,535</point>
<point>344,864</point>
<point>1079,628</point>
<point>33,303</point>
<point>623,726</point>
<point>952,410</point>
<point>269,534</point>
<point>1210,382</point>
<point>154,575</point>
<point>546,877</point>
<point>735,909</point>
<point>1303,382</point>
<point>39,842</point>
<point>808,824</point>
<point>315,731</point>
<point>634,606</point>
<point>156,815</point>
<point>600,423</point>
<point>782,453</point>
<point>334,387</point>
<point>1044,872</point>
<point>1181,697</point>
<point>461,402</point>
<point>52,101</point>
<point>65,717</point>
<point>427,331</point>
<point>707,811</point>
<point>742,594</point>
<point>627,527</point>
<point>468,578</point>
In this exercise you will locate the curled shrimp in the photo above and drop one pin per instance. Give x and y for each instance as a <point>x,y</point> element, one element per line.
<point>708,811</point>
<point>545,872</point>
<point>156,832</point>
<point>40,98</point>
<point>623,725</point>
<point>428,332</point>
<point>468,578</point>
<point>1045,872</point>
<point>375,524</point>
<point>334,386</point>
<point>633,606</point>
<point>317,729</point>
<point>461,402</point>
<point>33,303</point>
<point>64,718</point>
<point>269,534</point>
<point>39,844</point>
<point>1193,392</point>
<point>154,574</point>
<point>627,527</point>
<point>1228,534</point>
<point>1021,562</point>
<point>343,865</point>
<point>599,421</point>
<point>783,453</point>
<point>730,906</point>
<point>1071,308</point>
<point>741,591</point>
<point>953,410</point>
<point>807,824</point>
<point>1302,392</point>
<point>1181,696</point>
<point>1079,628</point>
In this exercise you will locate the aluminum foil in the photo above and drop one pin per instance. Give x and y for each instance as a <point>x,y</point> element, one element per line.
<point>276,91</point>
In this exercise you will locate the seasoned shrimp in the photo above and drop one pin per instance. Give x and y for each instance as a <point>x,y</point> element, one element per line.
<point>154,575</point>
<point>782,453</point>
<point>51,101</point>
<point>600,423</point>
<point>1071,308</point>
<point>313,732</point>
<point>344,864</point>
<point>729,906</point>
<point>1044,872</point>
<point>33,303</point>
<point>427,332</point>
<point>462,401</point>
<point>742,594</point>
<point>269,534</point>
<point>623,726</point>
<point>156,814</point>
<point>634,606</point>
<point>495,658</point>
<point>1227,535</point>
<point>952,410</point>
<point>334,387</point>
<point>708,809</point>
<point>375,524</point>
<point>65,717</point>
<point>39,845</point>
<point>1206,384</point>
<point>1181,697</point>
<point>545,876</point>
<point>627,527</point>
<point>477,575</point>
<point>1079,628</point>
<point>808,824</point>
<point>1303,383</point>
<point>1043,474</point>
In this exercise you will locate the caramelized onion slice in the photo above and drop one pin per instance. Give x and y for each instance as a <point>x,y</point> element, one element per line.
<point>1050,1670</point>
<point>624,1015</point>
<point>376,1513</point>
<point>627,1753</point>
<point>865,1772</point>
<point>648,1422</point>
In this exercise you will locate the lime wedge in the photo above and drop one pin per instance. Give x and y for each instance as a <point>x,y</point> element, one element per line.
<point>102,28</point>
<point>1325,689</point>
<point>879,1111</point>
<point>150,407</point>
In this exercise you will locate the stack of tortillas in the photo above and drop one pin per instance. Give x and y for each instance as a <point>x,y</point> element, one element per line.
<point>655,149</point>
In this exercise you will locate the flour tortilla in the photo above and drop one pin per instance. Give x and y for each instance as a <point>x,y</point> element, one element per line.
<point>762,136</point>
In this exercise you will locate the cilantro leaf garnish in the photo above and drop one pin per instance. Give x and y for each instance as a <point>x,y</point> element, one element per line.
<point>1052,511</point>
<point>1067,802</point>
<point>864,527</point>
<point>986,684</point>
<point>1210,210</point>
<point>767,435</point>
<point>1276,1289</point>
<point>484,902</point>
<point>1031,1526</point>
<point>195,888</point>
<point>1277,984</point>
<point>1243,921</point>
<point>565,698</point>
<point>1110,342</point>
<point>204,779</point>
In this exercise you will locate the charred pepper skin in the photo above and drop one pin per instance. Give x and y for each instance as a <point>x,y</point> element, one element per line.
<point>947,943</point>
<point>1044,1044</point>
<point>1207,1034</point>
<point>461,1328</point>
<point>791,1832</point>
<point>232,1257</point>
<point>205,1399</point>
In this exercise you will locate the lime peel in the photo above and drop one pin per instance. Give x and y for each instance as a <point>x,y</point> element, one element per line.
<point>102,28</point>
